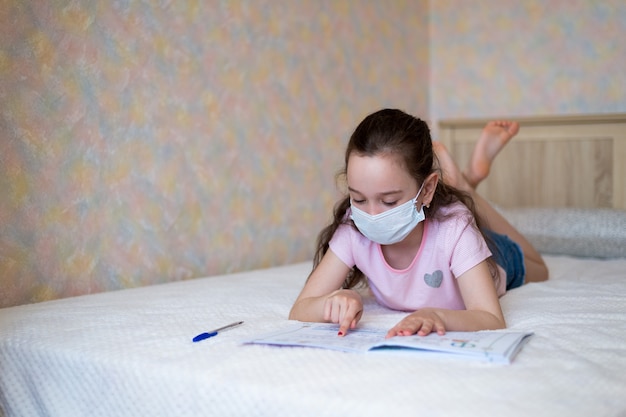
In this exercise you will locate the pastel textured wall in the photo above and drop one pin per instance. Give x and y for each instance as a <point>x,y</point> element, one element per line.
<point>144,142</point>
<point>529,57</point>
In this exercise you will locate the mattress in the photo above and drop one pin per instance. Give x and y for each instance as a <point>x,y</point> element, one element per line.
<point>130,353</point>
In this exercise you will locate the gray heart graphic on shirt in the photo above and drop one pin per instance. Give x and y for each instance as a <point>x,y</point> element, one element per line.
<point>434,280</point>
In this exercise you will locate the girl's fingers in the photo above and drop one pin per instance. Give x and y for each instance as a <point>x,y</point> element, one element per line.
<point>350,319</point>
<point>413,324</point>
<point>427,327</point>
<point>343,308</point>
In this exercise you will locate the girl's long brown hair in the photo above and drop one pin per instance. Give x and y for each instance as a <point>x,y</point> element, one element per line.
<point>394,132</point>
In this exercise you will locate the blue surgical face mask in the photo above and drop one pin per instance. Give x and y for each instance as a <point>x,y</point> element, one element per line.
<point>390,226</point>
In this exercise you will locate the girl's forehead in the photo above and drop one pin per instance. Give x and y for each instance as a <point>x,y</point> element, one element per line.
<point>389,161</point>
<point>384,171</point>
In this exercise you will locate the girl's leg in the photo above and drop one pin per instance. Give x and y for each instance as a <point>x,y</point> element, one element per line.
<point>536,269</point>
<point>494,137</point>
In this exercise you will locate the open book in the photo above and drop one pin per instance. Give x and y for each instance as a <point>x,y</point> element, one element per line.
<point>490,346</point>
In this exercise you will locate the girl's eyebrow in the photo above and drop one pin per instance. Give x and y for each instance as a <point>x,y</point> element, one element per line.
<point>384,193</point>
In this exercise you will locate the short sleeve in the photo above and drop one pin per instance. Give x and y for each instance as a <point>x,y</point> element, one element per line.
<point>341,244</point>
<point>469,246</point>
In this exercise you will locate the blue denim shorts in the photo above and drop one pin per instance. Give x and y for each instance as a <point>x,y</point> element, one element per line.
<point>509,256</point>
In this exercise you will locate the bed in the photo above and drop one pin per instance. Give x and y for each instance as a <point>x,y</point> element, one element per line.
<point>130,353</point>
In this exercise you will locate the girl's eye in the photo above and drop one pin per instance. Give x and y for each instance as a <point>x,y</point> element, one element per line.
<point>390,203</point>
<point>355,201</point>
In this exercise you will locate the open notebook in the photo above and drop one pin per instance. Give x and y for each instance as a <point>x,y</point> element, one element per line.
<point>490,346</point>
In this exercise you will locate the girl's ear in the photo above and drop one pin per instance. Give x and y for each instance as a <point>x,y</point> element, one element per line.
<point>430,185</point>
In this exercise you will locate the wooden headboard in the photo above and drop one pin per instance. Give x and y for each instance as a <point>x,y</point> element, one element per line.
<point>560,161</point>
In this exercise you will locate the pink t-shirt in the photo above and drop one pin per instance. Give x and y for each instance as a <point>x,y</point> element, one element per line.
<point>450,247</point>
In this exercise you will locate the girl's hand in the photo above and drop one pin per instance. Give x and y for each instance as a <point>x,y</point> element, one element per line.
<point>422,322</point>
<point>344,307</point>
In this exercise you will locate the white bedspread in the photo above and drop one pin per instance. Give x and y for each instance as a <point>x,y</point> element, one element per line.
<point>129,353</point>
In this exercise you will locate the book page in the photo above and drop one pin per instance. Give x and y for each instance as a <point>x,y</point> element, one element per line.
<point>495,346</point>
<point>492,346</point>
<point>324,336</point>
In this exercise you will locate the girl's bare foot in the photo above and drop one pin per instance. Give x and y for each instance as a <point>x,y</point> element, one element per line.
<point>493,138</point>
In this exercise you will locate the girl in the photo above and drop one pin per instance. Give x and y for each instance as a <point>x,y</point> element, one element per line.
<point>417,240</point>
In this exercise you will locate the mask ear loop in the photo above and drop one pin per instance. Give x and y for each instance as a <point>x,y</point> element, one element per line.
<point>418,194</point>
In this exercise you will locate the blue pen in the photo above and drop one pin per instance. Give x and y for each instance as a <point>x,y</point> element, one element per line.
<point>212,333</point>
